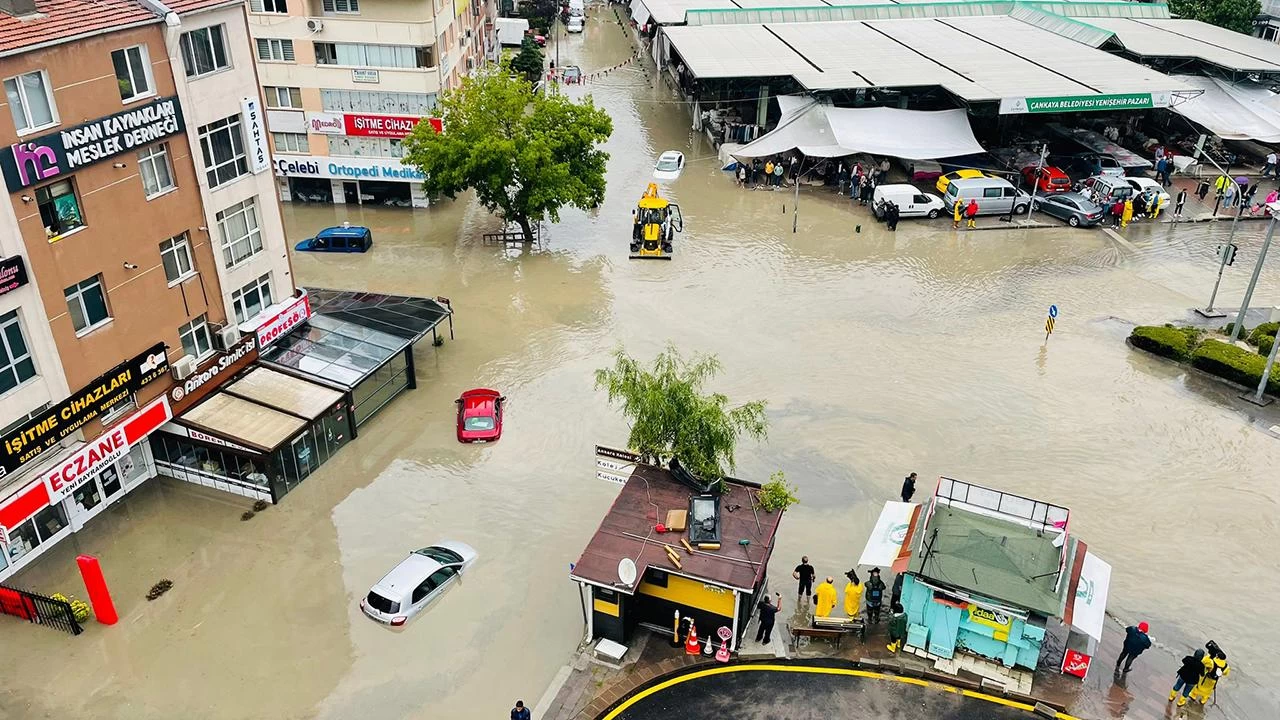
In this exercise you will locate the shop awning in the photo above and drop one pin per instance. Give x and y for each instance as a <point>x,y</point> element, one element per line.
<point>803,127</point>
<point>284,392</point>
<point>403,316</point>
<point>1089,611</point>
<point>1232,111</point>
<point>240,420</point>
<point>890,532</point>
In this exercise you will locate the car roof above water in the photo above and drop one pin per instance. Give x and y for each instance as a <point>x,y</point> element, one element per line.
<point>343,231</point>
<point>406,576</point>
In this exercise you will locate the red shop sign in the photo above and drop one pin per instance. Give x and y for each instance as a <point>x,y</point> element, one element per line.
<point>284,321</point>
<point>385,126</point>
<point>1075,663</point>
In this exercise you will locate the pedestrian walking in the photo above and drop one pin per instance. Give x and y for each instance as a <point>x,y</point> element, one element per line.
<point>957,211</point>
<point>768,173</point>
<point>1270,166</point>
<point>866,190</point>
<point>825,598</point>
<point>1271,198</point>
<point>884,172</point>
<point>1117,211</point>
<point>1180,203</point>
<point>767,613</point>
<point>875,595</point>
<point>1161,166</point>
<point>1229,196</point>
<point>1193,668</point>
<point>1127,214</point>
<point>852,594</point>
<point>520,712</point>
<point>1157,204</point>
<point>804,573</point>
<point>777,173</point>
<point>795,168</point>
<point>1202,190</point>
<point>892,213</point>
<point>1248,196</point>
<point>971,212</point>
<point>897,627</point>
<point>1216,668</point>
<point>757,166</point>
<point>1169,167</point>
<point>1136,642</point>
<point>841,175</point>
<point>908,487</point>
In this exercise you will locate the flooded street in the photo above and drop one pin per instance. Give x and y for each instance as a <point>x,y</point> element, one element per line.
<point>879,354</point>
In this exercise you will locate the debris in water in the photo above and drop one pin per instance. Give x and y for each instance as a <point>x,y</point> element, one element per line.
<point>246,515</point>
<point>260,505</point>
<point>159,589</point>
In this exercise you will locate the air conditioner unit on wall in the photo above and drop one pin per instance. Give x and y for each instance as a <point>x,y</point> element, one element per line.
<point>227,337</point>
<point>184,368</point>
<point>315,25</point>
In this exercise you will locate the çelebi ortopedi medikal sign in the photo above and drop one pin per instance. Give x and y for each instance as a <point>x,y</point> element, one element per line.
<point>57,422</point>
<point>35,160</point>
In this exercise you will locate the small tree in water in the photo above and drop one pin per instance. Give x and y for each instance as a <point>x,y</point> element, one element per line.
<point>671,416</point>
<point>525,154</point>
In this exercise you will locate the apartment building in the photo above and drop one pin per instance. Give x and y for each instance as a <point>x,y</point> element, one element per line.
<point>346,80</point>
<point>140,229</point>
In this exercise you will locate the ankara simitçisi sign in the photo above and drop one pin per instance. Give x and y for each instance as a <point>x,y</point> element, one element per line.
<point>293,315</point>
<point>38,159</point>
<point>49,427</point>
<point>13,274</point>
<point>212,374</point>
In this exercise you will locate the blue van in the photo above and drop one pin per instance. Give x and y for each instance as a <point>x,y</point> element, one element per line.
<point>347,238</point>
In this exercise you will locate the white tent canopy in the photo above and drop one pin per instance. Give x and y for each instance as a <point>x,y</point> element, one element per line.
<point>1233,112</point>
<point>1089,611</point>
<point>823,131</point>
<point>886,539</point>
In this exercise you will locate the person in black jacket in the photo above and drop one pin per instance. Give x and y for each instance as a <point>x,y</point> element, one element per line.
<point>908,487</point>
<point>1136,642</point>
<point>874,595</point>
<point>1188,675</point>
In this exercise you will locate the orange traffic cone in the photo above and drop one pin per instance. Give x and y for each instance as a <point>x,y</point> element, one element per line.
<point>691,643</point>
<point>722,655</point>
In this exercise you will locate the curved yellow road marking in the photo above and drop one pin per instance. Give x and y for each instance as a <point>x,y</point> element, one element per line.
<point>613,714</point>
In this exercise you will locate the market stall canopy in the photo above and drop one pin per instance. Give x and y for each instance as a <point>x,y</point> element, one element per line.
<point>1089,610</point>
<point>284,392</point>
<point>243,421</point>
<point>1233,111</point>
<point>890,532</point>
<point>818,130</point>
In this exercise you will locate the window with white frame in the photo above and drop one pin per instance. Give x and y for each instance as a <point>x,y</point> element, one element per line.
<point>195,337</point>
<point>375,101</point>
<point>30,101</point>
<point>364,55</point>
<point>275,50</point>
<point>268,6</point>
<point>222,146</point>
<point>252,298</point>
<point>287,98</point>
<point>133,72</point>
<point>154,168</point>
<point>22,419</point>
<point>204,51</point>
<point>241,237</point>
<point>87,304</point>
<point>175,256</point>
<point>16,365</point>
<point>351,146</point>
<point>341,6</point>
<point>290,142</point>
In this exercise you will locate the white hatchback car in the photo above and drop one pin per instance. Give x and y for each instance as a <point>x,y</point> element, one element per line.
<point>417,581</point>
<point>1146,185</point>
<point>669,166</point>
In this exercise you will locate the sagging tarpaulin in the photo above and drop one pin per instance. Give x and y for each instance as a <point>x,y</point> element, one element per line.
<point>1232,111</point>
<point>818,130</point>
<point>639,12</point>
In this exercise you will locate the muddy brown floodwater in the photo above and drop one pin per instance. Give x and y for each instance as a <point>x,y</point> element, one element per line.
<point>878,353</point>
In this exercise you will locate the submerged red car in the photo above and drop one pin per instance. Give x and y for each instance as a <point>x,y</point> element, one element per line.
<point>1052,179</point>
<point>480,415</point>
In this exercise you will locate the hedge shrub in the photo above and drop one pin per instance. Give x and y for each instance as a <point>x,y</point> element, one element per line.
<point>1264,344</point>
<point>1226,329</point>
<point>1230,362</point>
<point>1165,340</point>
<point>1267,329</point>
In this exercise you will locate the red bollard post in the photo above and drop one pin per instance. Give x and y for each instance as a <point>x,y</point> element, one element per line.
<point>99,596</point>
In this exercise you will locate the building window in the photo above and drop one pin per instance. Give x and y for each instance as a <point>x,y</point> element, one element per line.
<point>16,365</point>
<point>30,101</point>
<point>241,238</point>
<point>365,146</point>
<point>204,51</point>
<point>133,72</point>
<point>59,209</point>
<point>222,145</point>
<point>23,420</point>
<point>175,256</point>
<point>275,50</point>
<point>87,303</point>
<point>252,298</point>
<point>291,142</point>
<point>289,98</point>
<point>361,55</point>
<point>268,6</point>
<point>341,6</point>
<point>195,338</point>
<point>153,166</point>
<point>374,101</point>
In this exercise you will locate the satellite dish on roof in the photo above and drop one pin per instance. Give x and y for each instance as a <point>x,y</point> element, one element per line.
<point>627,571</point>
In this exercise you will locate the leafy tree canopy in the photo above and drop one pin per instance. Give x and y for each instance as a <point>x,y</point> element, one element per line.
<point>529,61</point>
<point>1235,15</point>
<point>671,415</point>
<point>525,154</point>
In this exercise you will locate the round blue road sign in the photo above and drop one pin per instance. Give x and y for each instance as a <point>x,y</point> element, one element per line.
<point>1053,311</point>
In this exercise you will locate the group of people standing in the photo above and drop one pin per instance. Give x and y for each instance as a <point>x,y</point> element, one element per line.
<point>1198,677</point>
<point>770,173</point>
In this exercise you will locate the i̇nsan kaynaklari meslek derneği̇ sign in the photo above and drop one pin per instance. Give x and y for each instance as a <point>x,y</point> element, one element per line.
<point>38,159</point>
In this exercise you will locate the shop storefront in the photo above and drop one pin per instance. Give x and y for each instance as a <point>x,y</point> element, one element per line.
<point>351,180</point>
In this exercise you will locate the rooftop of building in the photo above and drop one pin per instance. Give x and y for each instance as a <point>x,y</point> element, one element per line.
<point>627,531</point>
<point>29,24</point>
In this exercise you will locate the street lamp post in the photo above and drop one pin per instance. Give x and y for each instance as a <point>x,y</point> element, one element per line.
<point>1209,312</point>
<point>1035,186</point>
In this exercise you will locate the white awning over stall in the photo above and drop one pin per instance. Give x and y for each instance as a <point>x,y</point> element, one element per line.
<point>639,12</point>
<point>887,537</point>
<point>1232,112</point>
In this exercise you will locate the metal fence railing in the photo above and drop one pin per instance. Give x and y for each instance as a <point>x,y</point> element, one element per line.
<point>38,609</point>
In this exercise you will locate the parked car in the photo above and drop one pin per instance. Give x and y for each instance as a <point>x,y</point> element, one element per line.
<point>946,178</point>
<point>1089,164</point>
<point>1050,179</point>
<point>571,75</point>
<point>417,582</point>
<point>1105,189</point>
<point>911,202</point>
<point>995,196</point>
<point>1145,185</point>
<point>344,238</point>
<point>480,415</point>
<point>669,166</point>
<point>1073,207</point>
<point>575,24</point>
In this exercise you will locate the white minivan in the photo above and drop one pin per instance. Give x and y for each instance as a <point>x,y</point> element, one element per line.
<point>995,196</point>
<point>575,24</point>
<point>910,200</point>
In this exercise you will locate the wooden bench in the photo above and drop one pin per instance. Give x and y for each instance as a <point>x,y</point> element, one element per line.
<point>844,624</point>
<point>809,632</point>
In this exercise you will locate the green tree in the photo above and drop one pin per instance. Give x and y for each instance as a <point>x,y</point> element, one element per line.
<point>1235,15</point>
<point>529,61</point>
<point>525,154</point>
<point>672,417</point>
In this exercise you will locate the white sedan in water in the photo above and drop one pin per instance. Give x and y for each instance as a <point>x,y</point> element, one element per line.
<point>1145,185</point>
<point>417,581</point>
<point>670,165</point>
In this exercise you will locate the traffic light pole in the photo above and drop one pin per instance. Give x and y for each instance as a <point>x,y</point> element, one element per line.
<point>1226,252</point>
<point>1253,281</point>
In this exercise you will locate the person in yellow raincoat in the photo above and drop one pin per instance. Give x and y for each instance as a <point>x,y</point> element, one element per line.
<point>826,593</point>
<point>957,212</point>
<point>1215,668</point>
<point>853,595</point>
<point>1128,213</point>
